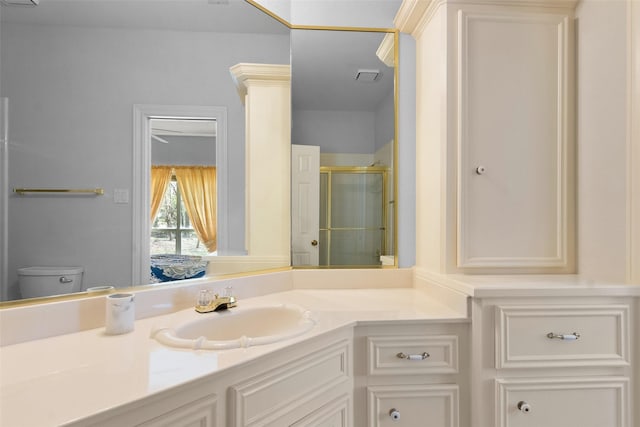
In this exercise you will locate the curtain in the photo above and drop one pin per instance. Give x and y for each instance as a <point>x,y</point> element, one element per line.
<point>198,189</point>
<point>160,177</point>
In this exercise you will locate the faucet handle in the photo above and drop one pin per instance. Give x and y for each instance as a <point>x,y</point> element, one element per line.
<point>204,297</point>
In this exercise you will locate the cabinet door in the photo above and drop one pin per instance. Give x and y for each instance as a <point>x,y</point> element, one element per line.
<point>597,402</point>
<point>332,414</point>
<point>411,406</point>
<point>201,413</point>
<point>514,140</point>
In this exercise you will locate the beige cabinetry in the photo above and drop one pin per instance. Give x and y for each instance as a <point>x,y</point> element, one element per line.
<point>514,125</point>
<point>186,406</point>
<point>563,402</point>
<point>411,374</point>
<point>309,384</point>
<point>201,413</point>
<point>312,390</point>
<point>553,362</point>
<point>495,142</point>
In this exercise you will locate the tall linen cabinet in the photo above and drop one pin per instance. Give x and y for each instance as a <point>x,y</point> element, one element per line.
<point>495,134</point>
<point>495,152</point>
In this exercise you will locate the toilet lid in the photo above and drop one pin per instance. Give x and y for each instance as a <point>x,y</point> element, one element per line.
<point>48,271</point>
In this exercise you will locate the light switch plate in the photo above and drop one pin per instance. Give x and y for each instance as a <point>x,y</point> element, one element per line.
<point>121,195</point>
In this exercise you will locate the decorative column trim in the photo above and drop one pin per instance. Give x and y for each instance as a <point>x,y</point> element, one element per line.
<point>633,143</point>
<point>243,72</point>
<point>386,51</point>
<point>265,89</point>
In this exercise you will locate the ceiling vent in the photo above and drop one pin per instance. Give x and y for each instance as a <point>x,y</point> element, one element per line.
<point>23,3</point>
<point>368,75</point>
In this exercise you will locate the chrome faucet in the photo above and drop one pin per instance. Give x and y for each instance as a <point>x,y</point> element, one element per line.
<point>208,303</point>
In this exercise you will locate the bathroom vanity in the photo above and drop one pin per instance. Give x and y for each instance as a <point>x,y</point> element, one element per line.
<point>457,351</point>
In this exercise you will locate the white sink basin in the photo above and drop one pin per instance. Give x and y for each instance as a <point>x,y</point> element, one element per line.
<point>238,327</point>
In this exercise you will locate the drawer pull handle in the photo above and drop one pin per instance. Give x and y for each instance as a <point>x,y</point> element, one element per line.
<point>413,356</point>
<point>524,407</point>
<point>567,337</point>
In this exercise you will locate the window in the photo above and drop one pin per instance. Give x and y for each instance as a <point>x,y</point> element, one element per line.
<point>171,231</point>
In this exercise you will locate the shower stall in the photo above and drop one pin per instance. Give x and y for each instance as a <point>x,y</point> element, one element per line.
<point>354,215</point>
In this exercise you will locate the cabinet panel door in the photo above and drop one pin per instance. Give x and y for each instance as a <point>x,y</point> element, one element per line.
<point>597,402</point>
<point>201,413</point>
<point>333,414</point>
<point>411,406</point>
<point>514,136</point>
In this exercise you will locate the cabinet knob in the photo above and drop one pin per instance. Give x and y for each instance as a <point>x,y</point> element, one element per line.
<point>480,170</point>
<point>524,407</point>
<point>394,414</point>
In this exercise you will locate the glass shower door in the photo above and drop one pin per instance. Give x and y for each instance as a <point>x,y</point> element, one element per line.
<point>352,216</point>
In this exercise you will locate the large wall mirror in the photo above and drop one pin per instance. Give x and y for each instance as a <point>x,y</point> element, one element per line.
<point>343,148</point>
<point>91,87</point>
<point>72,73</point>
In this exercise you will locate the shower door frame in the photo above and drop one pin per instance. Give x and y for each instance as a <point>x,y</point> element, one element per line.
<point>384,171</point>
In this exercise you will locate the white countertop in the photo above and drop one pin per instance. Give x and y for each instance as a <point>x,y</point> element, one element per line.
<point>530,285</point>
<point>56,380</point>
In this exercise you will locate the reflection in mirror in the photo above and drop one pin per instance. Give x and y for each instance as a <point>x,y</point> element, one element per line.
<point>343,136</point>
<point>183,169</point>
<point>72,72</point>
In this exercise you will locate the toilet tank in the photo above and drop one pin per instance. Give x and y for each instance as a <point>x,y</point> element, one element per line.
<point>46,281</point>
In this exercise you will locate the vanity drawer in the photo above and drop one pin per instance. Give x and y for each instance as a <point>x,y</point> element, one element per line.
<point>563,402</point>
<point>435,405</point>
<point>543,336</point>
<point>412,355</point>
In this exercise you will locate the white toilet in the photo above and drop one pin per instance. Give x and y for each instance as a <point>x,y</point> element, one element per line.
<point>46,281</point>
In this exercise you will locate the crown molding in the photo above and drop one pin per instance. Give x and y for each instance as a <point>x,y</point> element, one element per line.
<point>386,51</point>
<point>243,72</point>
<point>412,13</point>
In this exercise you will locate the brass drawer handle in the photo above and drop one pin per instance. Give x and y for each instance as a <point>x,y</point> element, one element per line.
<point>566,337</point>
<point>413,356</point>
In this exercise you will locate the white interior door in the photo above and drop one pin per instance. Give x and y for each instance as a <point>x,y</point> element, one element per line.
<point>305,204</point>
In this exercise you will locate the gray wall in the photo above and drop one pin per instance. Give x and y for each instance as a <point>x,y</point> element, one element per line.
<point>407,152</point>
<point>342,13</point>
<point>71,93</point>
<point>335,131</point>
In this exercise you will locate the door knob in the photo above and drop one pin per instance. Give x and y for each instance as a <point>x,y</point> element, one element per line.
<point>394,414</point>
<point>314,242</point>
